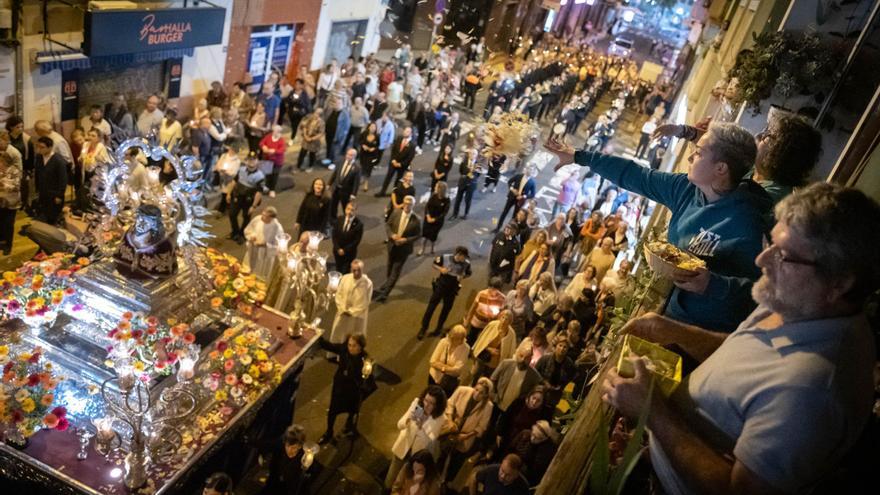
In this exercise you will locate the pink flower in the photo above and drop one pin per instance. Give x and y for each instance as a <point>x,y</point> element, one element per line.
<point>63,423</point>
<point>60,411</point>
<point>231,379</point>
<point>78,307</point>
<point>229,364</point>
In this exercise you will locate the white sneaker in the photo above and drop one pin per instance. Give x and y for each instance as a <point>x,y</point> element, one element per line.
<point>271,194</point>
<point>483,190</point>
<point>331,167</point>
<point>418,150</point>
<point>493,189</point>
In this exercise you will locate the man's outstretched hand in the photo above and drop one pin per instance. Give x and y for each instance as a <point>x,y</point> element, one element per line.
<point>563,151</point>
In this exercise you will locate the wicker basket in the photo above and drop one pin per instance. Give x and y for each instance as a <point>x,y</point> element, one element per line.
<point>662,267</point>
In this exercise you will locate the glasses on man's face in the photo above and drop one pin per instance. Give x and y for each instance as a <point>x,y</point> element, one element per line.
<point>779,257</point>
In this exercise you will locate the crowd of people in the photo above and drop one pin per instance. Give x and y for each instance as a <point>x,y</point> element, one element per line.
<point>529,338</point>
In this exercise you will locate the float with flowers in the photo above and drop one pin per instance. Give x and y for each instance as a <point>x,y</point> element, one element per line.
<point>131,370</point>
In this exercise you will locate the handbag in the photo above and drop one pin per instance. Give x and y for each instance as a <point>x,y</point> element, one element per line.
<point>448,382</point>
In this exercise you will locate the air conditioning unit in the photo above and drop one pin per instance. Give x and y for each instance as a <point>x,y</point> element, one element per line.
<point>112,5</point>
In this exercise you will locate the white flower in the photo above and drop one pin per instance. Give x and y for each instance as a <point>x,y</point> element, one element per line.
<point>235,391</point>
<point>247,379</point>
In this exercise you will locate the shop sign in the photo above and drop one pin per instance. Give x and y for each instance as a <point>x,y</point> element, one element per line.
<point>174,66</point>
<point>70,94</point>
<point>115,32</point>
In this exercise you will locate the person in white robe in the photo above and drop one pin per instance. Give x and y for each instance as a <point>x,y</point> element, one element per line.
<point>261,234</point>
<point>352,303</point>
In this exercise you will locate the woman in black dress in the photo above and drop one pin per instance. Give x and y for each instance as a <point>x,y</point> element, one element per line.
<point>442,166</point>
<point>435,212</point>
<point>314,210</point>
<point>401,190</point>
<point>369,153</point>
<point>286,474</point>
<point>350,387</point>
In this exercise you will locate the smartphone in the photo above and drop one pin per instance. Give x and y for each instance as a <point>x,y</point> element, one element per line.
<point>418,412</point>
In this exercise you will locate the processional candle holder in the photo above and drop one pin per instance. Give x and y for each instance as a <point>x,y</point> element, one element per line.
<point>154,437</point>
<point>311,285</point>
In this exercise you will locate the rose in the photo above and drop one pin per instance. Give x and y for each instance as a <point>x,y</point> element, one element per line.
<point>63,423</point>
<point>60,411</point>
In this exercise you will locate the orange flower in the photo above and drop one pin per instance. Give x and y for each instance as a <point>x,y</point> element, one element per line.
<point>47,400</point>
<point>50,420</point>
<point>63,273</point>
<point>124,324</point>
<point>216,302</point>
<point>83,261</point>
<point>127,315</point>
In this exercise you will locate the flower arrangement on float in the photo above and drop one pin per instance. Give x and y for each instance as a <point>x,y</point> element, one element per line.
<point>239,367</point>
<point>509,136</point>
<point>144,347</point>
<point>36,289</point>
<point>27,396</point>
<point>234,286</point>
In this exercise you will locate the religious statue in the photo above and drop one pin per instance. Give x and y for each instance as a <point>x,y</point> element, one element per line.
<point>146,251</point>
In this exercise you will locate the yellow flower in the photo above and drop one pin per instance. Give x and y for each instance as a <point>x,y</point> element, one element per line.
<point>261,355</point>
<point>220,395</point>
<point>138,366</point>
<point>4,350</point>
<point>9,276</point>
<point>228,353</point>
<point>239,340</point>
<point>254,371</point>
<point>238,283</point>
<point>28,405</point>
<point>229,294</point>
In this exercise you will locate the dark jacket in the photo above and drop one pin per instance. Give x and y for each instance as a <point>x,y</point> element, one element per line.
<point>313,213</point>
<point>51,177</point>
<point>346,186</point>
<point>349,386</point>
<point>503,249</point>
<point>513,187</point>
<point>412,232</point>
<point>347,241</point>
<point>403,156</point>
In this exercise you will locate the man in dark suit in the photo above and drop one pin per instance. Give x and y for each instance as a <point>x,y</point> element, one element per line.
<point>402,153</point>
<point>521,188</point>
<point>347,233</point>
<point>345,180</point>
<point>403,228</point>
<point>50,170</point>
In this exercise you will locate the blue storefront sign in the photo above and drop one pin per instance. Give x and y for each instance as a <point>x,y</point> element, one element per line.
<point>135,31</point>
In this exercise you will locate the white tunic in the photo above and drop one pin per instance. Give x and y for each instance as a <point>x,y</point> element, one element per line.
<point>352,298</point>
<point>261,246</point>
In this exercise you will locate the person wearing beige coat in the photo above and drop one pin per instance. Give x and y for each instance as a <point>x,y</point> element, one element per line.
<point>468,414</point>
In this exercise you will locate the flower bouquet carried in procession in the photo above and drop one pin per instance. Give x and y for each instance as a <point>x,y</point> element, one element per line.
<point>234,286</point>
<point>27,396</point>
<point>37,288</point>
<point>148,346</point>
<point>239,367</point>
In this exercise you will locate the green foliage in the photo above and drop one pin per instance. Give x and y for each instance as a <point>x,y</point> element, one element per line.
<point>783,63</point>
<point>608,480</point>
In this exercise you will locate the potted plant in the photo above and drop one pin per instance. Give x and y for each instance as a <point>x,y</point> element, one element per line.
<point>783,64</point>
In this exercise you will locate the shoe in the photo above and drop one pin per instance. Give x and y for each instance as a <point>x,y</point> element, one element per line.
<point>420,252</point>
<point>421,334</point>
<point>239,240</point>
<point>493,189</point>
<point>483,190</point>
<point>331,167</point>
<point>366,188</point>
<point>418,150</point>
<point>464,217</point>
<point>436,333</point>
<point>327,437</point>
<point>378,195</point>
<point>308,170</point>
<point>350,432</point>
<point>271,194</point>
<point>7,251</point>
<point>231,237</point>
<point>453,217</point>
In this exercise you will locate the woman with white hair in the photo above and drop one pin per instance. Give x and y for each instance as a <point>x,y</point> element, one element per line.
<point>261,234</point>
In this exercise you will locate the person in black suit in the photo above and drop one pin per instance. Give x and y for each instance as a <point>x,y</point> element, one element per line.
<point>520,189</point>
<point>347,233</point>
<point>51,180</point>
<point>469,175</point>
<point>286,473</point>
<point>345,181</point>
<point>403,228</point>
<point>402,153</point>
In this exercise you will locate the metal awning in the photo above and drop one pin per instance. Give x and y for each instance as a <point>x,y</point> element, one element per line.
<point>76,59</point>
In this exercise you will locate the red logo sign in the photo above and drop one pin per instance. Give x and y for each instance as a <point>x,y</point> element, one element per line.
<point>70,88</point>
<point>163,34</point>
